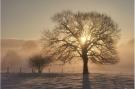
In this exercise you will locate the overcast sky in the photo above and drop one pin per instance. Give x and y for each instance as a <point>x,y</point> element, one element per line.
<point>26,19</point>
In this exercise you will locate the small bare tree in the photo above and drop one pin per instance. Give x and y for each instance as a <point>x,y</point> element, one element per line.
<point>87,35</point>
<point>38,62</point>
<point>11,60</point>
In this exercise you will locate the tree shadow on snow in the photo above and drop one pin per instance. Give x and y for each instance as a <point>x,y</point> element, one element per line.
<point>86,82</point>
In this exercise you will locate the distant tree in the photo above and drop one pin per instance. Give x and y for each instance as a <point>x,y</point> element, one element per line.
<point>11,60</point>
<point>38,62</point>
<point>87,35</point>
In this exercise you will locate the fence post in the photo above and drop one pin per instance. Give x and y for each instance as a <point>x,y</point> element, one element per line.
<point>20,69</point>
<point>32,70</point>
<point>7,69</point>
<point>62,68</point>
<point>49,68</point>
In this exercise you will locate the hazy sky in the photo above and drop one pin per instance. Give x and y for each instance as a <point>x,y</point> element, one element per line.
<point>26,19</point>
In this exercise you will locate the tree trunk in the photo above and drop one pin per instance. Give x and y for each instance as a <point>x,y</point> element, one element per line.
<point>85,61</point>
<point>33,70</point>
<point>39,71</point>
<point>85,65</point>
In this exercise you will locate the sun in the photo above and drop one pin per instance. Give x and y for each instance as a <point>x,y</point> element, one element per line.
<point>83,39</point>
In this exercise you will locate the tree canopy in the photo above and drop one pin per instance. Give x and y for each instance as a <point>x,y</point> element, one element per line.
<point>89,35</point>
<point>39,62</point>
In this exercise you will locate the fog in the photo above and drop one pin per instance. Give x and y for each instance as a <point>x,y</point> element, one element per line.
<point>126,64</point>
<point>15,54</point>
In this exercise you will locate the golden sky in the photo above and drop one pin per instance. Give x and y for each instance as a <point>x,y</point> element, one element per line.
<point>26,19</point>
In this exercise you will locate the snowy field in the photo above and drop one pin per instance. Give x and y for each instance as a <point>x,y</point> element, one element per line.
<point>66,81</point>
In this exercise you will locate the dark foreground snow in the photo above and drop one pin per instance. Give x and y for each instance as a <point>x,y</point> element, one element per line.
<point>66,81</point>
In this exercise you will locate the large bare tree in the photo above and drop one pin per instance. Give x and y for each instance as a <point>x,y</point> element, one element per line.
<point>87,35</point>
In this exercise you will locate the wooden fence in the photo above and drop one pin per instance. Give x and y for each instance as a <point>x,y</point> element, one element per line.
<point>52,68</point>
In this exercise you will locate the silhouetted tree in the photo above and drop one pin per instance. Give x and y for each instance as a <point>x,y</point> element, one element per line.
<point>11,60</point>
<point>87,35</point>
<point>38,62</point>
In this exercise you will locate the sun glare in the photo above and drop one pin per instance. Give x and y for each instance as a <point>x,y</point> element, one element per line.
<point>83,40</point>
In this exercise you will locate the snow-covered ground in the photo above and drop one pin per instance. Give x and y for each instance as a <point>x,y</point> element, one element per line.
<point>66,81</point>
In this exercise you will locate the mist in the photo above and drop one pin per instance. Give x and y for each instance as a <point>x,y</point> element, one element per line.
<point>16,53</point>
<point>126,64</point>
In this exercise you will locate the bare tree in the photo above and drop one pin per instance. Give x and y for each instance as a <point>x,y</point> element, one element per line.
<point>11,60</point>
<point>87,35</point>
<point>38,62</point>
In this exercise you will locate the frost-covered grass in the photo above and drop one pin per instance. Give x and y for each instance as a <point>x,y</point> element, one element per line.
<point>66,81</point>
